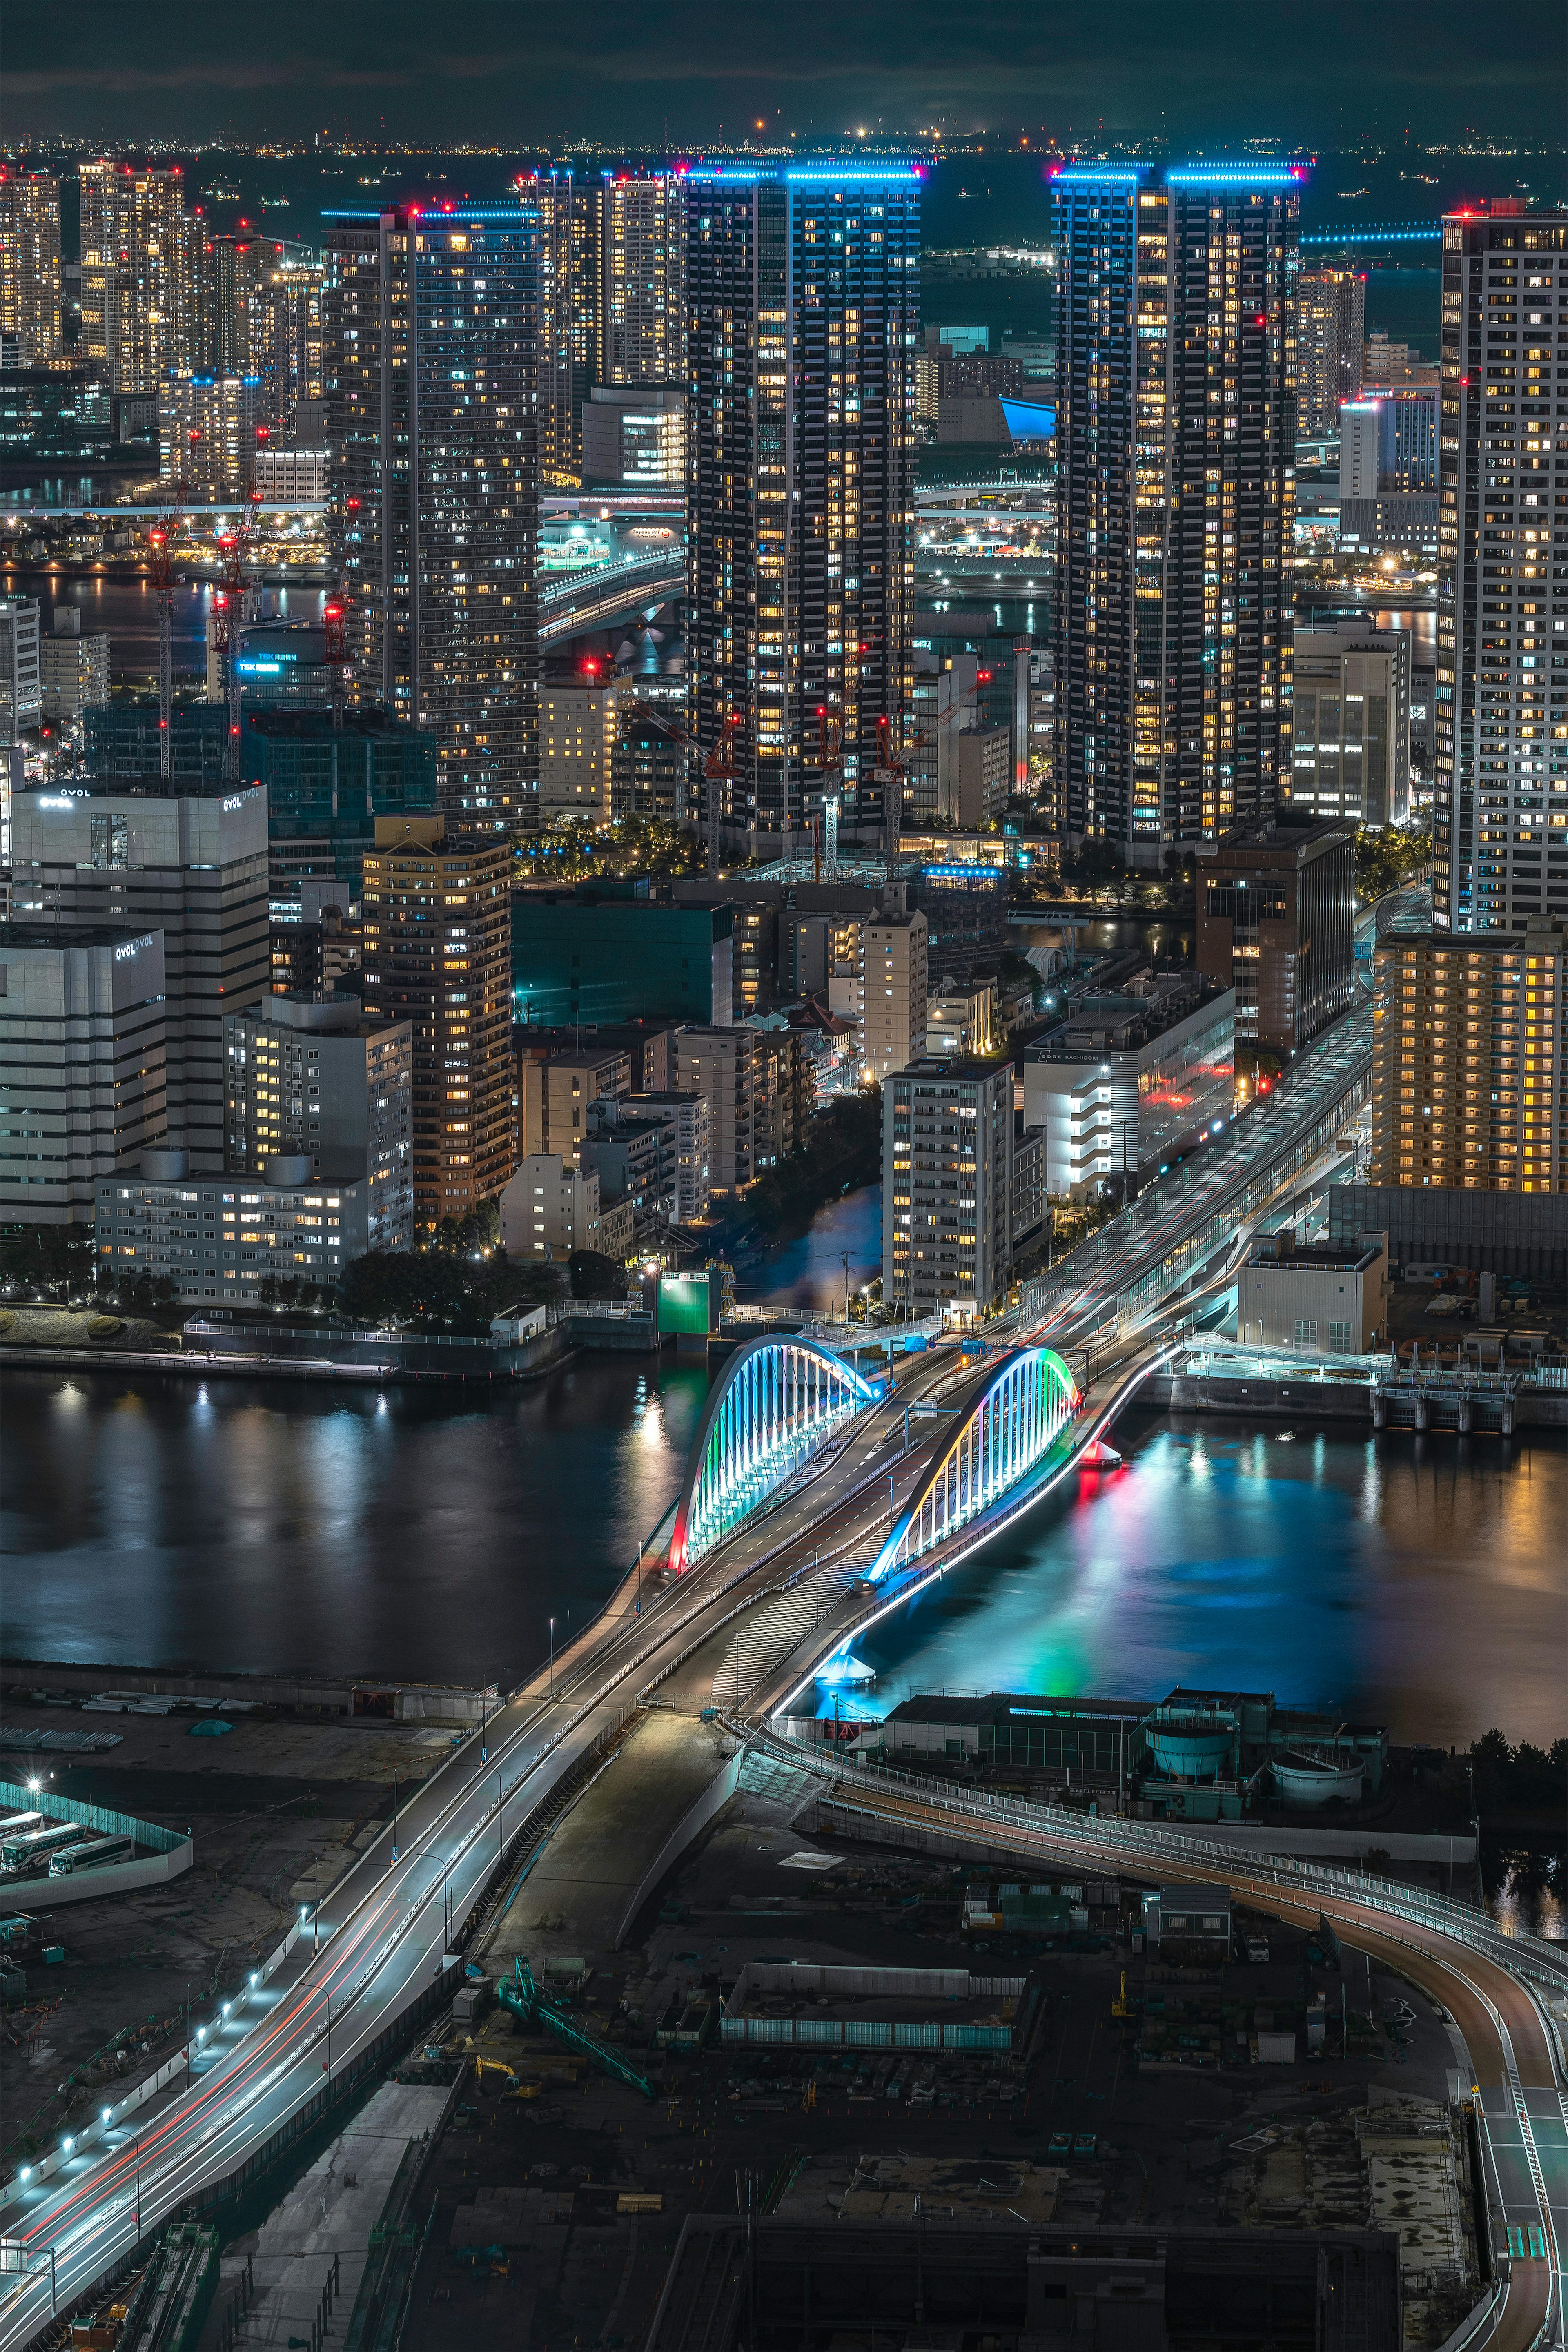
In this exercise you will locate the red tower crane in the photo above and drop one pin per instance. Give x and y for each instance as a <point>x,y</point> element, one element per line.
<point>228,616</point>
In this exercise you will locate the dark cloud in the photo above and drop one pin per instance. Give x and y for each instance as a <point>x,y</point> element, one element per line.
<point>515,72</point>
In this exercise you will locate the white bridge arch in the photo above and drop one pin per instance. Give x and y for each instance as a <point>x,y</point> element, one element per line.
<point>1008,1425</point>
<point>776,1404</point>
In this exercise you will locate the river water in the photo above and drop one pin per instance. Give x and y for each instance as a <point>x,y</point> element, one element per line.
<point>234,1525</point>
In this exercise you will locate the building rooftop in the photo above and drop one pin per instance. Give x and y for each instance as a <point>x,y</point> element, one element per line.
<point>18,936</point>
<point>1316,1257</point>
<point>1543,933</point>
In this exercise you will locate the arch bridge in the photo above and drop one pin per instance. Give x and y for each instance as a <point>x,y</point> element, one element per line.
<point>774,1406</point>
<point>1008,1425</point>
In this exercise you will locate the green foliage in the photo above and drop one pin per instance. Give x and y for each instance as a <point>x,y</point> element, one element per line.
<point>1523,1779</point>
<point>594,1275</point>
<point>479,1232</point>
<point>1386,859</point>
<point>581,849</point>
<point>53,1259</point>
<point>442,1290</point>
<point>843,1148</point>
<point>1016,971</point>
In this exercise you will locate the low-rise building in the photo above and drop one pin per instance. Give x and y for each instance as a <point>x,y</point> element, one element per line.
<point>1127,1080</point>
<point>1028,1180</point>
<point>557,1092</point>
<point>548,1209</point>
<point>895,992</point>
<point>311,1076</point>
<point>629,1152</point>
<point>21,689</point>
<point>1321,1298</point>
<point>686,1147</point>
<point>83,1081</point>
<point>947,1188</point>
<point>290,477</point>
<point>220,1238</point>
<point>962,1020</point>
<point>756,1084</point>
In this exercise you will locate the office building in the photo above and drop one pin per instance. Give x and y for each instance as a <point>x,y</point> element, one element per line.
<point>21,682</point>
<point>30,265</point>
<point>894,992</point>
<point>206,434</point>
<point>965,907</point>
<point>309,1076</point>
<point>947,1188</point>
<point>803,288</point>
<point>686,1147</point>
<point>757,1089</point>
<point>83,1076</point>
<point>429,333</point>
<point>576,747</point>
<point>1470,1060</point>
<point>641,280</point>
<point>592,958</point>
<point>634,438</point>
<point>190,866</point>
<point>1387,365</point>
<point>1128,1081</point>
<point>73,670</point>
<point>1351,756</point>
<point>1277,925</point>
<point>549,1208</point>
<point>1331,335</point>
<point>282,476</point>
<point>435,925</point>
<point>556,1090</point>
<point>140,261</point>
<point>1388,473</point>
<point>1501,781</point>
<point>1177,308</point>
<point>1318,1299</point>
<point>223,1238</point>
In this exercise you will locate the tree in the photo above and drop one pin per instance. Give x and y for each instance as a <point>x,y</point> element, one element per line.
<point>594,1275</point>
<point>51,1258</point>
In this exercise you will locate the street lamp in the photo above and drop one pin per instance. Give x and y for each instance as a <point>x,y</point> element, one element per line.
<point>552,1657</point>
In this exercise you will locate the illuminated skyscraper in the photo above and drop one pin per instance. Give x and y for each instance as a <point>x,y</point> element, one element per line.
<point>1500,773</point>
<point>642,252</point>
<point>803,299</point>
<point>1333,333</point>
<point>1177,431</point>
<point>569,269</point>
<point>30,263</point>
<point>140,258</point>
<point>430,324</point>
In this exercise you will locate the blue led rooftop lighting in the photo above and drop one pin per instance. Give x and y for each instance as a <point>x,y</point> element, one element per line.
<point>1074,176</point>
<point>716,172</point>
<point>901,172</point>
<point>1370,233</point>
<point>1242,175</point>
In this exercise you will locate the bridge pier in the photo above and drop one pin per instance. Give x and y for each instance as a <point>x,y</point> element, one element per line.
<point>1467,1411</point>
<point>1380,1409</point>
<point>1506,1424</point>
<point>1423,1410</point>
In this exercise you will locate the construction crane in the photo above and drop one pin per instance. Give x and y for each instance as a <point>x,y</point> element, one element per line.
<point>334,629</point>
<point>831,747</point>
<point>228,615</point>
<point>160,571</point>
<point>889,775</point>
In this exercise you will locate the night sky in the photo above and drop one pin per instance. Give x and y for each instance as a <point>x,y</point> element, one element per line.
<point>515,72</point>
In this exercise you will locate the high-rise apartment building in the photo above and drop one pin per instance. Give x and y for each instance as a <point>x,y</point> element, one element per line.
<point>285,337</point>
<point>1332,336</point>
<point>567,210</point>
<point>139,265</point>
<point>641,287</point>
<point>1177,429</point>
<point>1501,765</point>
<point>309,1077</point>
<point>1470,1060</point>
<point>436,954</point>
<point>894,992</point>
<point>1276,924</point>
<point>430,330</point>
<point>82,1064</point>
<point>21,687</point>
<point>758,1090</point>
<point>73,670</point>
<point>576,748</point>
<point>191,865</point>
<point>802,298</point>
<point>30,266</point>
<point>947,1188</point>
<point>207,433</point>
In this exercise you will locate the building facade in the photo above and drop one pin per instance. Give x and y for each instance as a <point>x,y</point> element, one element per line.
<point>802,294</point>
<point>1332,339</point>
<point>140,264</point>
<point>1351,756</point>
<point>1470,1060</point>
<point>757,1089</point>
<point>687,1149</point>
<point>83,1073</point>
<point>73,670</point>
<point>1277,926</point>
<point>576,749</point>
<point>30,282</point>
<point>206,434</point>
<point>1321,1299</point>
<point>592,960</point>
<point>642,277</point>
<point>327,787</point>
<point>190,866</point>
<point>947,1188</point>
<point>894,995</point>
<point>1501,771</point>
<point>435,955</point>
<point>221,1238</point>
<point>431,330</point>
<point>309,1076</point>
<point>21,682</point>
<point>1126,1083</point>
<point>1177,301</point>
<point>557,1090</point>
<point>549,1208</point>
